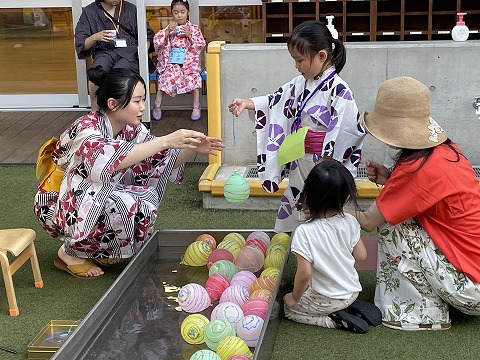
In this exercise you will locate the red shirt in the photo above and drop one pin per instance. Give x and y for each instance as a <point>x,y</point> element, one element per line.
<point>444,195</point>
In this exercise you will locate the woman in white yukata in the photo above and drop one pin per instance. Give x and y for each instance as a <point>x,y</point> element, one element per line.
<point>319,99</point>
<point>115,176</point>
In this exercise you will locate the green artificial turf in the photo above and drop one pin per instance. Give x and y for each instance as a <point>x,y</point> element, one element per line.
<point>66,298</point>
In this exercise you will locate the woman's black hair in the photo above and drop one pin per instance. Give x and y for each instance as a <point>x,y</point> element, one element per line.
<point>184,2</point>
<point>328,186</point>
<point>117,83</point>
<point>410,156</point>
<point>312,36</point>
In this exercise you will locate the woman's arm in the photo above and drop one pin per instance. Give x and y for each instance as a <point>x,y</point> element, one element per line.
<point>369,220</point>
<point>300,284</point>
<point>209,145</point>
<point>180,139</point>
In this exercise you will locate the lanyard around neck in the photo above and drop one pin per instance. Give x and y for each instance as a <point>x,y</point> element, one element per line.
<point>303,102</point>
<point>115,22</point>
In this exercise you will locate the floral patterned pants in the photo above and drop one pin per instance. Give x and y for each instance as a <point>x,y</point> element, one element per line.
<point>416,283</point>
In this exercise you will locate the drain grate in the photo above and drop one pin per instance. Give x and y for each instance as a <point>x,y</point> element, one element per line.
<point>477,171</point>
<point>252,172</point>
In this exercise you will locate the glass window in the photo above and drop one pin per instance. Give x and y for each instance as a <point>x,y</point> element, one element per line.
<point>36,51</point>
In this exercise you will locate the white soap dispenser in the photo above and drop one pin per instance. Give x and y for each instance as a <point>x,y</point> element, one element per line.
<point>460,31</point>
<point>331,27</point>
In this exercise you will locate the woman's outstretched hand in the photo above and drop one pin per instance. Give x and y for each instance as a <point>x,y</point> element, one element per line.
<point>210,145</point>
<point>190,139</point>
<point>184,139</point>
<point>376,173</point>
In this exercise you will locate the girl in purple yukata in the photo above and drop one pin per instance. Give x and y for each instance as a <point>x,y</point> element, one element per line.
<point>319,99</point>
<point>178,48</point>
<point>115,173</point>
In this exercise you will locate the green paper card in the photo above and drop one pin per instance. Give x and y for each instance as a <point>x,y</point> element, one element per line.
<point>293,147</point>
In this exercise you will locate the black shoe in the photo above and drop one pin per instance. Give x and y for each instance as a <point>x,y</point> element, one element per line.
<point>345,321</point>
<point>366,311</point>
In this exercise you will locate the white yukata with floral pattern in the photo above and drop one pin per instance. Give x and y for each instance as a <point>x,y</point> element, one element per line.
<point>331,110</point>
<point>101,211</point>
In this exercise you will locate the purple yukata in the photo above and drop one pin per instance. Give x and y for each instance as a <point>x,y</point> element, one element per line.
<point>330,112</point>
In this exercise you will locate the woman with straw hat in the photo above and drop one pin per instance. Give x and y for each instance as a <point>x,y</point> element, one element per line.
<point>427,214</point>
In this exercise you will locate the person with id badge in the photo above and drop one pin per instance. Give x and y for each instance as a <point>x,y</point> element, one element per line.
<point>107,32</point>
<point>178,48</point>
<point>311,117</point>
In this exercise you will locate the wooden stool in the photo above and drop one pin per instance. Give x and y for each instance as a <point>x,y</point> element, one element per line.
<point>18,242</point>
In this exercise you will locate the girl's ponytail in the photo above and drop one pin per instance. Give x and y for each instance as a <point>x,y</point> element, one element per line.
<point>339,55</point>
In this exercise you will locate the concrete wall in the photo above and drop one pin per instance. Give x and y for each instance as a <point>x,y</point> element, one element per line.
<point>451,70</point>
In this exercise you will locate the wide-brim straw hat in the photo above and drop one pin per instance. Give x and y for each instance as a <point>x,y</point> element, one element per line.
<point>401,115</point>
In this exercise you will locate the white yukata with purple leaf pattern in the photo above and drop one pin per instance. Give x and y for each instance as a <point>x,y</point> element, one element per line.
<point>331,110</point>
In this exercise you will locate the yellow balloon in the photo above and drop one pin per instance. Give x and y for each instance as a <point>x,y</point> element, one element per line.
<point>280,238</point>
<point>197,254</point>
<point>193,328</point>
<point>271,271</point>
<point>233,345</point>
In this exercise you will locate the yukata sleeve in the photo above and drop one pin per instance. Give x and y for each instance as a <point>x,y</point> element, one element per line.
<point>82,32</point>
<point>344,137</point>
<point>197,42</point>
<point>159,164</point>
<point>273,117</point>
<point>160,42</point>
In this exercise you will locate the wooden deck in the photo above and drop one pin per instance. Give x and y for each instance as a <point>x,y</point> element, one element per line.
<point>23,132</point>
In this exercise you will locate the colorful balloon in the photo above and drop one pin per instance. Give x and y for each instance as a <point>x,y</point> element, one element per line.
<point>193,327</point>
<point>209,239</point>
<point>236,294</point>
<point>244,278</point>
<point>230,245</point>
<point>249,329</point>
<point>205,355</point>
<point>257,307</point>
<point>274,259</point>
<point>260,235</point>
<point>250,258</point>
<point>239,357</point>
<point>272,272</point>
<point>236,237</point>
<point>264,282</point>
<point>217,330</point>
<point>281,238</point>
<point>236,189</point>
<point>228,311</point>
<point>223,267</point>
<point>196,254</point>
<point>215,286</point>
<point>263,294</point>
<point>219,254</point>
<point>258,243</point>
<point>233,345</point>
<point>193,298</point>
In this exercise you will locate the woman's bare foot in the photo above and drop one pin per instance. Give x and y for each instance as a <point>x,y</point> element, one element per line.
<point>71,260</point>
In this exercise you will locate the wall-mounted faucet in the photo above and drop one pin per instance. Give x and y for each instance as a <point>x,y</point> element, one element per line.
<point>476,105</point>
